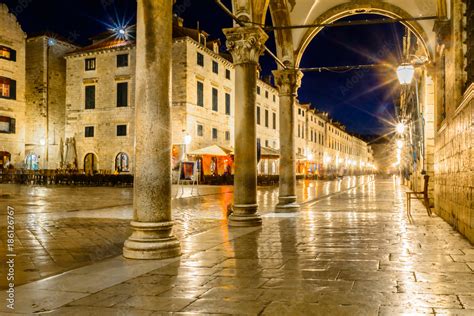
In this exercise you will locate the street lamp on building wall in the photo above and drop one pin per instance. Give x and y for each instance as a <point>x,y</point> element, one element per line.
<point>405,73</point>
<point>186,141</point>
<point>400,128</point>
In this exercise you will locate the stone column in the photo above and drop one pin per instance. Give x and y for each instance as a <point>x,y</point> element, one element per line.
<point>246,44</point>
<point>288,81</point>
<point>152,223</point>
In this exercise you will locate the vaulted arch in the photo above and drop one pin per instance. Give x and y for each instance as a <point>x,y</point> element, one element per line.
<point>369,7</point>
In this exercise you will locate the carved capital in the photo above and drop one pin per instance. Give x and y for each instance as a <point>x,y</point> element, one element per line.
<point>246,44</point>
<point>288,81</point>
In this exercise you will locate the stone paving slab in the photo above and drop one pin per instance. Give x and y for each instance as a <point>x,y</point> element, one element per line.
<point>349,254</point>
<point>59,228</point>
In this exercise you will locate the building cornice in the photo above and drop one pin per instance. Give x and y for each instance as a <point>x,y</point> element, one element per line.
<point>204,48</point>
<point>99,51</point>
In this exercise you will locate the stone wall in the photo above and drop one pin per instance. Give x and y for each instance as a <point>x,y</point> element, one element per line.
<point>454,140</point>
<point>46,99</point>
<point>454,163</point>
<point>105,117</point>
<point>12,36</point>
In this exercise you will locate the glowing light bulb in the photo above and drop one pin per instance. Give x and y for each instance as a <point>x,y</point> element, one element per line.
<point>400,128</point>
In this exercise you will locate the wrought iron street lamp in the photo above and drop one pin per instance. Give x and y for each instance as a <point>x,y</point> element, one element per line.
<point>405,73</point>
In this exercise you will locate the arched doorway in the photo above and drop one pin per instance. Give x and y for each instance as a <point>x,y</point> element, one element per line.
<point>90,164</point>
<point>122,162</point>
<point>5,159</point>
<point>32,161</point>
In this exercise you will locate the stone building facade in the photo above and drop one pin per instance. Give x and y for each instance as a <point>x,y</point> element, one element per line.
<point>45,101</point>
<point>12,90</point>
<point>454,112</point>
<point>100,102</point>
<point>325,148</point>
<point>203,104</point>
<point>203,95</point>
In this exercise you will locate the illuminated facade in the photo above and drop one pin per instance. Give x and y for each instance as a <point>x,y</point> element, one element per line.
<point>12,90</point>
<point>45,96</point>
<point>325,148</point>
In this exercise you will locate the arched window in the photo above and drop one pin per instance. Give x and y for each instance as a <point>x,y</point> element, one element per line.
<point>90,163</point>
<point>5,160</point>
<point>122,162</point>
<point>32,162</point>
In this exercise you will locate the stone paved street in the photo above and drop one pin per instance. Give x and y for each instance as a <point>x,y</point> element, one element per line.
<point>59,228</point>
<point>352,253</point>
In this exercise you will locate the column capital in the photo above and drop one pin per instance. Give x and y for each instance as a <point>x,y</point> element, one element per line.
<point>288,81</point>
<point>246,44</point>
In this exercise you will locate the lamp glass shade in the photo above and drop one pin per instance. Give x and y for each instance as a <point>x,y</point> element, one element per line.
<point>405,73</point>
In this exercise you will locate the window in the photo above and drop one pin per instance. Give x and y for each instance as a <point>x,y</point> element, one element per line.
<point>442,88</point>
<point>299,130</point>
<point>90,97</point>
<point>215,100</point>
<point>227,135</point>
<point>258,115</point>
<point>214,133</point>
<point>122,94</point>
<point>299,111</point>
<point>7,53</point>
<point>122,60</point>
<point>266,118</point>
<point>227,74</point>
<point>7,88</point>
<point>200,59</point>
<point>266,94</point>
<point>121,162</point>
<point>90,64</point>
<point>258,90</point>
<point>7,125</point>
<point>266,143</point>
<point>227,103</point>
<point>121,130</point>
<point>274,98</point>
<point>215,67</point>
<point>200,130</point>
<point>200,93</point>
<point>274,120</point>
<point>89,131</point>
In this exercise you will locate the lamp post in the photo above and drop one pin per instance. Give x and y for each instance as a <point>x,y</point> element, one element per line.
<point>406,74</point>
<point>186,141</point>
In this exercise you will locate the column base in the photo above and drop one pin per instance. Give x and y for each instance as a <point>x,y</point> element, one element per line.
<point>151,241</point>
<point>287,204</point>
<point>245,215</point>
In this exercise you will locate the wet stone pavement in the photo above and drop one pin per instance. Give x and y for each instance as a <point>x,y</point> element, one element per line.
<point>59,228</point>
<point>353,253</point>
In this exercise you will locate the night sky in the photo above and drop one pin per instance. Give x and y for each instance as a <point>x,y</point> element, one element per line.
<point>359,99</point>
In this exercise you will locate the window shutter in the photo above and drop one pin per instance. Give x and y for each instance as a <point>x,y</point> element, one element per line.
<point>13,89</point>
<point>13,55</point>
<point>122,94</point>
<point>12,126</point>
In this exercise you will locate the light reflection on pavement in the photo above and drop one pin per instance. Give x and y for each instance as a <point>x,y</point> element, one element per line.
<point>59,228</point>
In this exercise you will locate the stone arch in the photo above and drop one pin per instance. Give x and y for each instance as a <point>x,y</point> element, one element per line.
<point>122,162</point>
<point>90,163</point>
<point>284,40</point>
<point>350,9</point>
<point>256,11</point>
